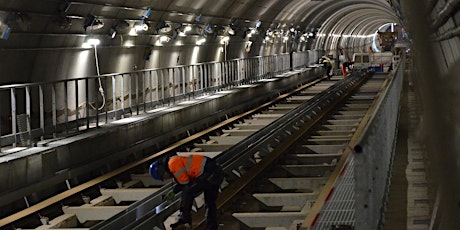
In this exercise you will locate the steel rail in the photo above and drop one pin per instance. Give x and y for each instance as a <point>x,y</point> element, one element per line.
<point>146,212</point>
<point>281,131</point>
<point>226,196</point>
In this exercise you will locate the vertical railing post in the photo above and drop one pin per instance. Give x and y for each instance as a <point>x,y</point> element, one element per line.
<point>194,80</point>
<point>136,79</point>
<point>172,74</point>
<point>96,104</point>
<point>184,81</point>
<point>88,106</point>
<point>180,91</point>
<point>157,85</point>
<point>219,74</point>
<point>206,76</point>
<point>13,116</point>
<point>245,69</point>
<point>28,117</point>
<point>200,70</point>
<point>238,67</point>
<point>130,95</point>
<point>210,73</point>
<point>233,70</point>
<point>1,126</point>
<point>251,69</point>
<point>106,100</point>
<point>54,108</point>
<point>223,71</point>
<point>215,76</point>
<point>42,110</point>
<point>66,106</point>
<point>162,85</point>
<point>114,97</point>
<point>76,104</point>
<point>272,69</point>
<point>143,92</point>
<point>122,96</point>
<point>165,84</point>
<point>151,88</point>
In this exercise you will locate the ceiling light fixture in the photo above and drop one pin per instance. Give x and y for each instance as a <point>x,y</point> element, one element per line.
<point>182,31</point>
<point>91,42</point>
<point>133,32</point>
<point>141,27</point>
<point>164,39</point>
<point>201,41</point>
<point>164,28</point>
<point>224,40</point>
<point>228,30</point>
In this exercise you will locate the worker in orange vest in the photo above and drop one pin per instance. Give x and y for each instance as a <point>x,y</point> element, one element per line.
<point>193,174</point>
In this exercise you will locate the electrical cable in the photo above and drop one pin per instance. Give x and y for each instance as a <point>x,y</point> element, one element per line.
<point>101,89</point>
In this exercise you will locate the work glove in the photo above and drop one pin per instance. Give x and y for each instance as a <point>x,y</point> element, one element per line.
<point>169,196</point>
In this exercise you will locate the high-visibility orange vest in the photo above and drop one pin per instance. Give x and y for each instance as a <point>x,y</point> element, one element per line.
<point>186,168</point>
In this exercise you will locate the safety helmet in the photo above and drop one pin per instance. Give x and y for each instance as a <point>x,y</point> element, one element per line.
<point>156,170</point>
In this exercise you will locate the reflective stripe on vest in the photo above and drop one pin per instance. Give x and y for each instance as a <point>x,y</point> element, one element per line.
<point>189,168</point>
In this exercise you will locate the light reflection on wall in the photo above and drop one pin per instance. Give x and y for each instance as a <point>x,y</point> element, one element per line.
<point>84,62</point>
<point>173,57</point>
<point>196,4</point>
<point>196,51</point>
<point>154,59</point>
<point>123,62</point>
<point>129,43</point>
<point>219,54</point>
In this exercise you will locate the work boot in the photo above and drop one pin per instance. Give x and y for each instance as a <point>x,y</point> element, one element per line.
<point>181,226</point>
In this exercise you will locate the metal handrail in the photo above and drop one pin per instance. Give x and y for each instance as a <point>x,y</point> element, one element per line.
<point>64,107</point>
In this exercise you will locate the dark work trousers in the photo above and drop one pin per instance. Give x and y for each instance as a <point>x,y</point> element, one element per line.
<point>328,71</point>
<point>209,183</point>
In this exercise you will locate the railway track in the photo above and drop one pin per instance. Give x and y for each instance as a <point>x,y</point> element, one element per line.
<point>285,193</point>
<point>246,145</point>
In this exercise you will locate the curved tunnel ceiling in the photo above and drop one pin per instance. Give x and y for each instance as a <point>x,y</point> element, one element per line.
<point>347,18</point>
<point>350,17</point>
